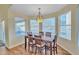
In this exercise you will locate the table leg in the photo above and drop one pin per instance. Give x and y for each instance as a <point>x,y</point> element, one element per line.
<point>50,48</point>
<point>25,43</point>
<point>45,49</point>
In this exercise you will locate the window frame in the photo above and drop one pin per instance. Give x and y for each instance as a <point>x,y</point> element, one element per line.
<point>19,21</point>
<point>66,25</point>
<point>53,27</point>
<point>36,24</point>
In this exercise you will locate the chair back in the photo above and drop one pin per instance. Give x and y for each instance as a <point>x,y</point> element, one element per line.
<point>55,40</point>
<point>30,38</point>
<point>37,36</point>
<point>41,33</point>
<point>29,33</point>
<point>48,34</point>
<point>38,41</point>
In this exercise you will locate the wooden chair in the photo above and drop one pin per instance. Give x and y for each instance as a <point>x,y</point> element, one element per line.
<point>39,44</point>
<point>30,42</point>
<point>48,34</point>
<point>29,33</point>
<point>37,36</point>
<point>54,45</point>
<point>26,41</point>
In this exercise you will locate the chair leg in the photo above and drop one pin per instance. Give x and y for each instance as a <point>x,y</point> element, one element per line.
<point>45,50</point>
<point>32,48</point>
<point>36,50</point>
<point>28,47</point>
<point>25,43</point>
<point>40,51</point>
<point>56,51</point>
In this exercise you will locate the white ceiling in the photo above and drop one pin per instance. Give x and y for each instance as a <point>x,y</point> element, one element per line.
<point>32,9</point>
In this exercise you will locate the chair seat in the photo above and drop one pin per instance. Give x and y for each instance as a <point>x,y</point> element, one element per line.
<point>31,43</point>
<point>48,44</point>
<point>42,45</point>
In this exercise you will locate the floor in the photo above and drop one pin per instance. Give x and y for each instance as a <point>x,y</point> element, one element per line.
<point>19,50</point>
<point>2,43</point>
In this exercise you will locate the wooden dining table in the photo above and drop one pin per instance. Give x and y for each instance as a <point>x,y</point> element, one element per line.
<point>46,39</point>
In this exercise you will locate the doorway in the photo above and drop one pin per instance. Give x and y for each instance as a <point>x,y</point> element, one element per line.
<point>2,34</point>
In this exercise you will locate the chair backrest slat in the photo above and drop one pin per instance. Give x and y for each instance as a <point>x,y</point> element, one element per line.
<point>55,40</point>
<point>48,34</point>
<point>30,38</point>
<point>29,33</point>
<point>41,33</point>
<point>38,41</point>
<point>38,36</point>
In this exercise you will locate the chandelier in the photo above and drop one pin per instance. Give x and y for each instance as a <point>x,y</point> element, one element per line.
<point>39,17</point>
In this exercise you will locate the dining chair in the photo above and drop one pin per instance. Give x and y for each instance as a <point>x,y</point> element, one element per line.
<point>29,33</point>
<point>30,42</point>
<point>48,34</point>
<point>26,37</point>
<point>25,41</point>
<point>39,44</point>
<point>37,36</point>
<point>54,45</point>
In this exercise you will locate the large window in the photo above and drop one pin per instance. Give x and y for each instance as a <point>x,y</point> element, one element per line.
<point>34,26</point>
<point>65,25</point>
<point>49,25</point>
<point>20,26</point>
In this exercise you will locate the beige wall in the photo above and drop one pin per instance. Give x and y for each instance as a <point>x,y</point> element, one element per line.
<point>8,17</point>
<point>1,31</point>
<point>4,16</point>
<point>13,39</point>
<point>69,45</point>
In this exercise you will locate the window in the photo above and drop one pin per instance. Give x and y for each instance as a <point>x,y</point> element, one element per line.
<point>49,25</point>
<point>65,25</point>
<point>20,26</point>
<point>34,26</point>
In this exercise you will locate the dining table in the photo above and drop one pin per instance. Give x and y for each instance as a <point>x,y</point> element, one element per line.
<point>46,39</point>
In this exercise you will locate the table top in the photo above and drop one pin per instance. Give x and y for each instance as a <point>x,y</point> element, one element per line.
<point>45,38</point>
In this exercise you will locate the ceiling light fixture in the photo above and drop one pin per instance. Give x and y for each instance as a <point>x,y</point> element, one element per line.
<point>39,17</point>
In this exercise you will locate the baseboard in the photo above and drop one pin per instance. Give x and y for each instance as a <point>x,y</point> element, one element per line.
<point>15,45</point>
<point>65,49</point>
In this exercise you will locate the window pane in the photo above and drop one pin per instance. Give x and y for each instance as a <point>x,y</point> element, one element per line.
<point>63,19</point>
<point>20,27</point>
<point>68,18</point>
<point>49,25</point>
<point>65,26</point>
<point>34,26</point>
<point>63,31</point>
<point>68,32</point>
